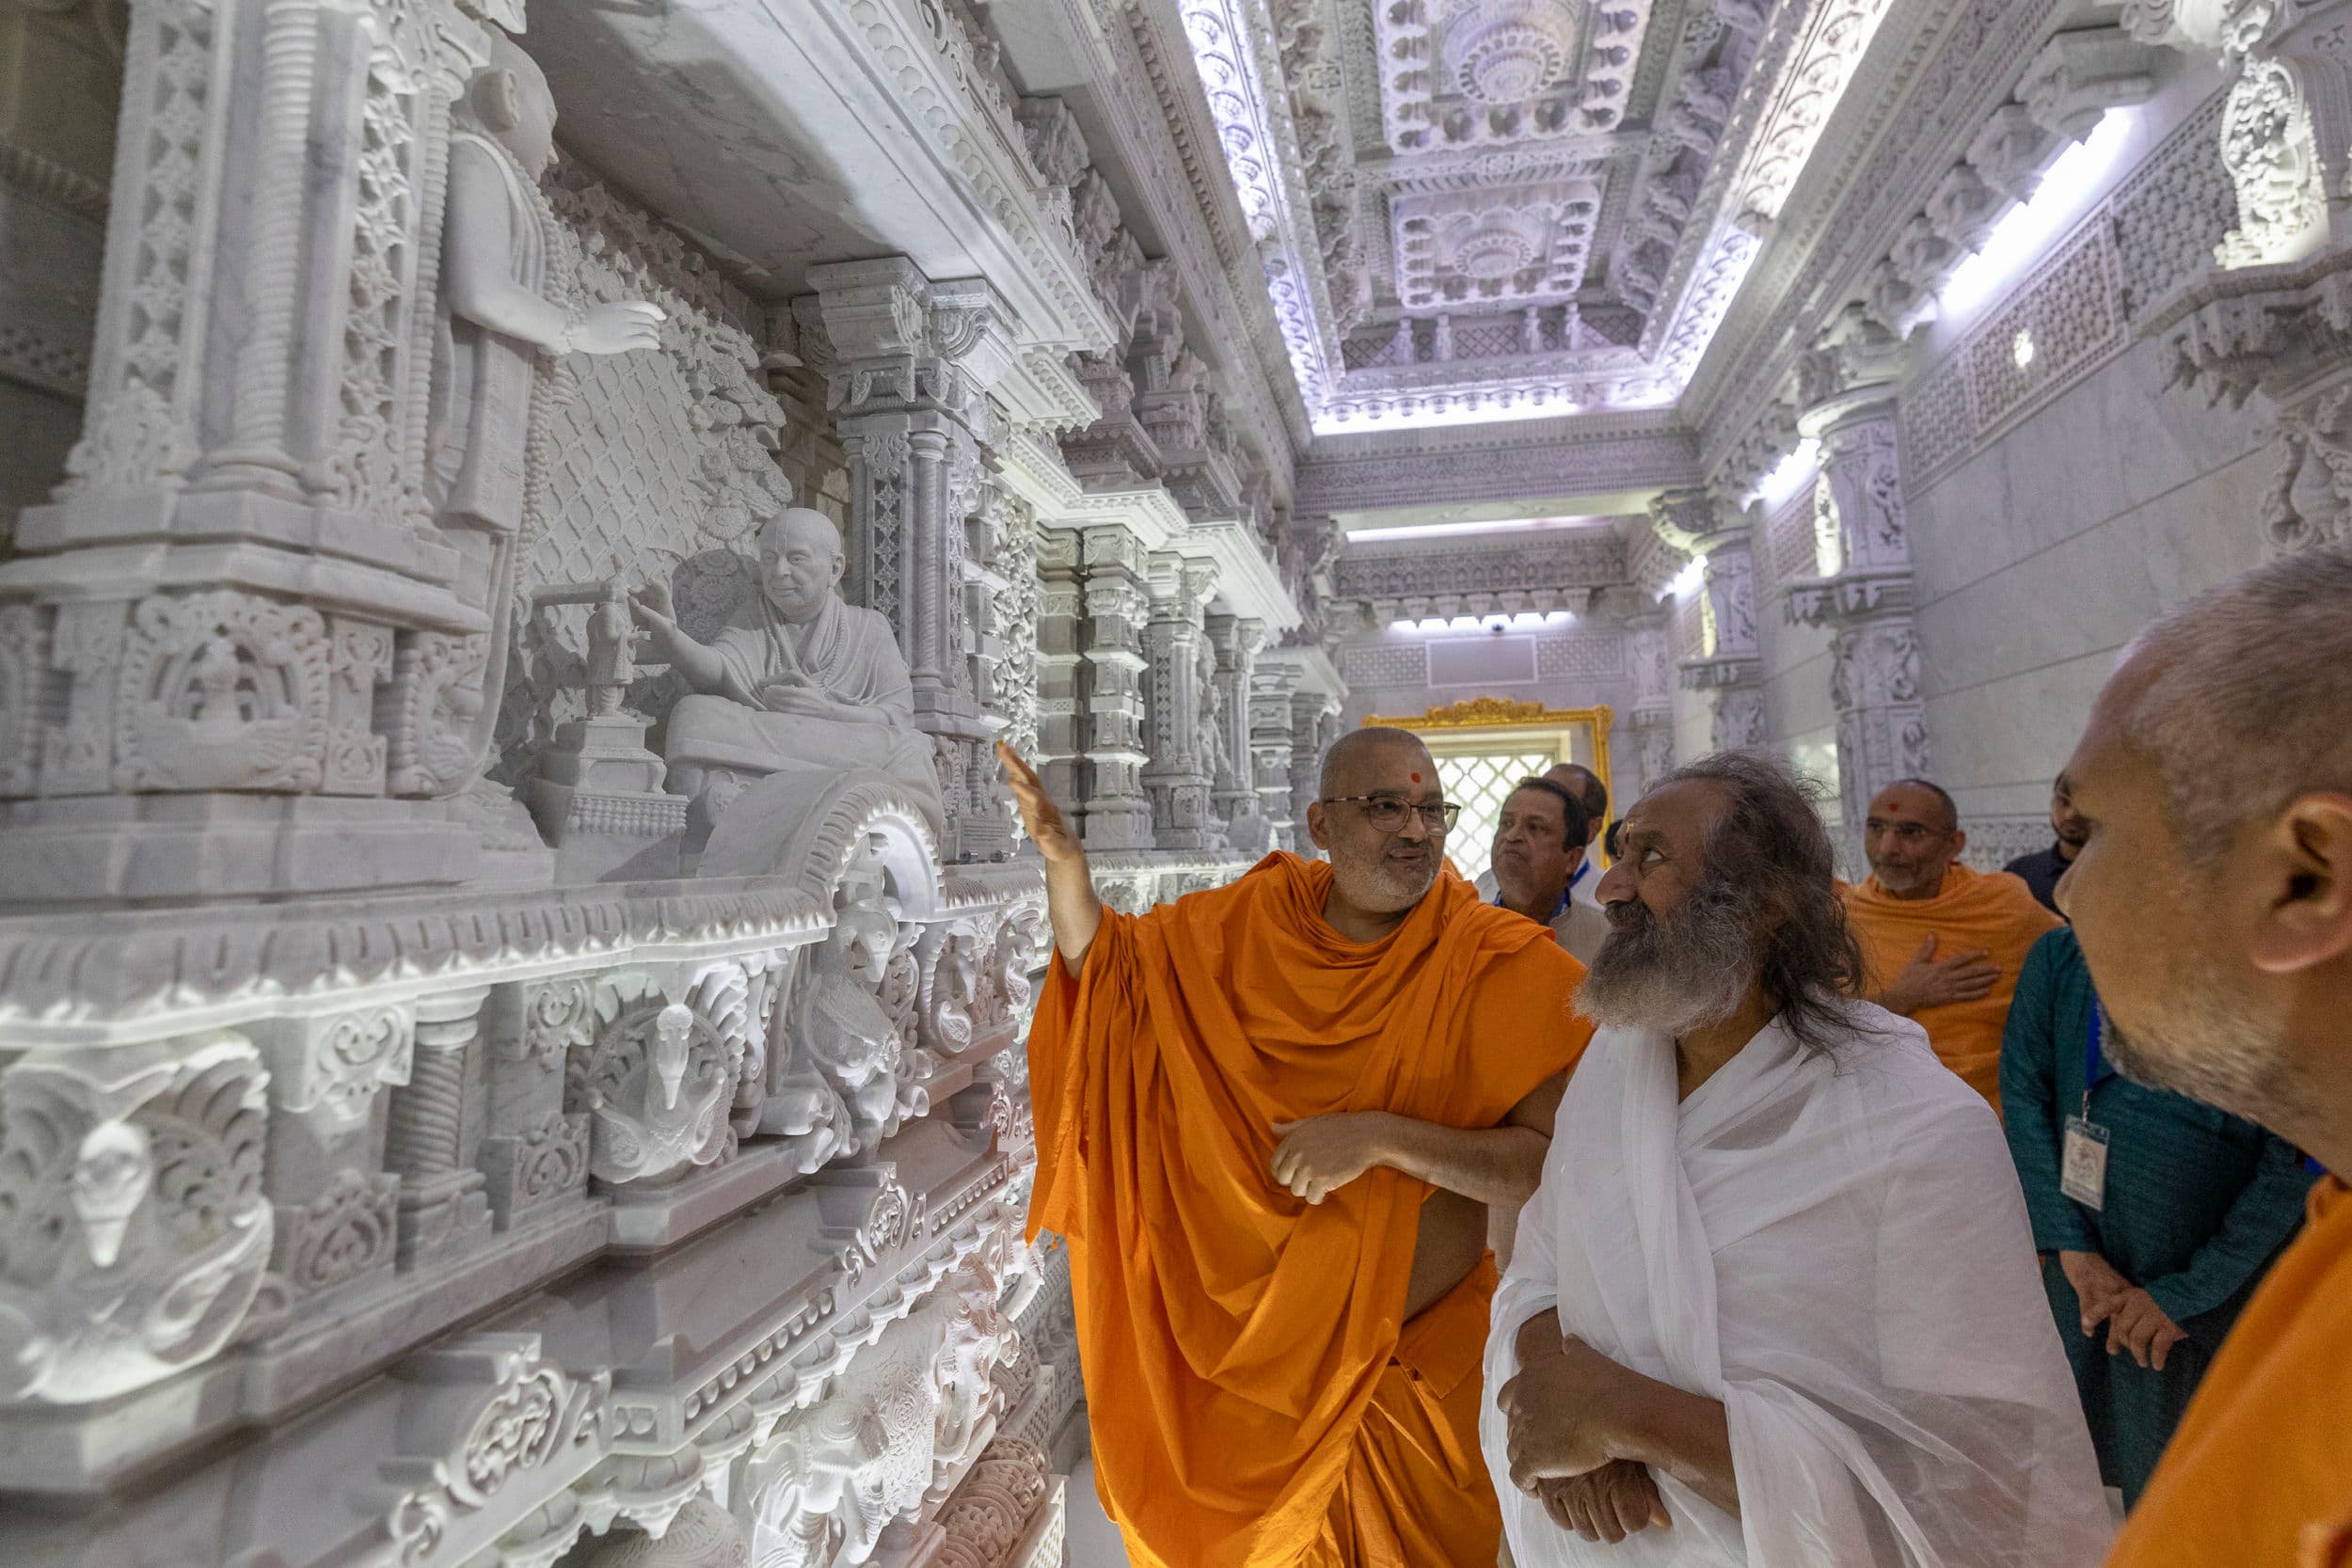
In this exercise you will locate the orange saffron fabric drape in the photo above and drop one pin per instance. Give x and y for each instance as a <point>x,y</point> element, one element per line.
<point>2261,1468</point>
<point>1992,910</point>
<point>1235,1336</point>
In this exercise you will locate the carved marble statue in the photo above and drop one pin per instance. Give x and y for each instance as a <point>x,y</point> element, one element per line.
<point>817,1502</point>
<point>849,1053</point>
<point>811,684</point>
<point>898,1426</point>
<point>509,315</point>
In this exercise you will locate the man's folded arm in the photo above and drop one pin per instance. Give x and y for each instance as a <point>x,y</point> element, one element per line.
<point>1495,1165</point>
<point>1498,1165</point>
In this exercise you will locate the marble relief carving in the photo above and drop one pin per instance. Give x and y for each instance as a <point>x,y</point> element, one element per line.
<point>453,408</point>
<point>133,1228</point>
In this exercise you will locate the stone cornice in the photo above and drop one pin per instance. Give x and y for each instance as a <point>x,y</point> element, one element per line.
<point>1922,95</point>
<point>919,55</point>
<point>1159,127</point>
<point>1586,559</point>
<point>1497,462</point>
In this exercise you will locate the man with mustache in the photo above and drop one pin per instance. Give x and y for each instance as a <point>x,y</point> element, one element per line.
<point>1776,1290</point>
<point>2212,898</point>
<point>1540,839</point>
<point>1268,1119</point>
<point>1940,944</point>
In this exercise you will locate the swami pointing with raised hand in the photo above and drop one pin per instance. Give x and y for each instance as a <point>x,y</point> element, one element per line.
<point>1268,1117</point>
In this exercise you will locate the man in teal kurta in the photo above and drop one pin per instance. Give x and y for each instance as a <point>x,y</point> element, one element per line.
<point>2195,1205</point>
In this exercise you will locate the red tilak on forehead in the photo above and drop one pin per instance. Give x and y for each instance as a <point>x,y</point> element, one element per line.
<point>1417,778</point>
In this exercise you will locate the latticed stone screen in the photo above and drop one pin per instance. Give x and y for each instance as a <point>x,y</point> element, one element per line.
<point>1480,782</point>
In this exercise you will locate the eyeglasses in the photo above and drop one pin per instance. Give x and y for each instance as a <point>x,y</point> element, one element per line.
<point>1390,813</point>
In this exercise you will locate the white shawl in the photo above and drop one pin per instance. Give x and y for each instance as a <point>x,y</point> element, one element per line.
<point>1836,1248</point>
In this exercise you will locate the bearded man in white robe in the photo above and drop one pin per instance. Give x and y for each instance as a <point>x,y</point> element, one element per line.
<point>1774,1303</point>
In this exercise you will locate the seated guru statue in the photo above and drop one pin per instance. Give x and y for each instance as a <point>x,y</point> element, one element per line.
<point>810,684</point>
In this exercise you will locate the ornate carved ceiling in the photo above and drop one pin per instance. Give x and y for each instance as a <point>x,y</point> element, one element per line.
<point>1481,209</point>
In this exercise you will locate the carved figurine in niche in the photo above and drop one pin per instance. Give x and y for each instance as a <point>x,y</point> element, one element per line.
<point>976,1337</point>
<point>816,1500</point>
<point>510,311</point>
<point>1015,954</point>
<point>811,683</point>
<point>134,1231</point>
<point>950,998</point>
<point>658,1079</point>
<point>845,1040</point>
<point>902,1419</point>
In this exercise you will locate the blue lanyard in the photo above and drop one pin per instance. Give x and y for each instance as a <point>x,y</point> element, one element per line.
<point>2091,1052</point>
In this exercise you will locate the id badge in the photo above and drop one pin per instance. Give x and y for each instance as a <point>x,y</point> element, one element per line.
<point>2083,1172</point>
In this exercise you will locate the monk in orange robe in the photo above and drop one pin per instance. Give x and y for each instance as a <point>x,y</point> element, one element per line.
<point>1940,944</point>
<point>1268,1117</point>
<point>2214,903</point>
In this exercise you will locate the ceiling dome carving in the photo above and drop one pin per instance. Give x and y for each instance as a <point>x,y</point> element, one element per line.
<point>1505,208</point>
<point>1505,52</point>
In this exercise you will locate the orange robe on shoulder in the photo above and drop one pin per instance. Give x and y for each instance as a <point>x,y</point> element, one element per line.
<point>1258,1400</point>
<point>1992,910</point>
<point>2260,1471</point>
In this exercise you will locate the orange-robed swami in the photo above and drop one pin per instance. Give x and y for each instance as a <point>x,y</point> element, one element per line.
<point>2260,1471</point>
<point>1992,910</point>
<point>1257,1398</point>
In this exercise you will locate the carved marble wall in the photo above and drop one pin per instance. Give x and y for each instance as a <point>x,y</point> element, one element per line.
<point>2059,503</point>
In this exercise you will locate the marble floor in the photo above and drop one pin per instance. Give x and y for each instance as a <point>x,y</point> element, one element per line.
<point>1093,1539</point>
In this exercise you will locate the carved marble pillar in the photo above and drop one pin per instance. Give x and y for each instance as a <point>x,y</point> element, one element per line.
<point>1864,594</point>
<point>1117,814</point>
<point>1271,744</point>
<point>214,634</point>
<point>2274,316</point>
<point>1062,663</point>
<point>1233,792</point>
<point>1650,724</point>
<point>1730,666</point>
<point>909,364</point>
<point>435,1121</point>
<point>1315,724</point>
<point>1177,773</point>
<point>1006,594</point>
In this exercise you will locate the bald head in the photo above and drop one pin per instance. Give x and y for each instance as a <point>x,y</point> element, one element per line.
<point>1360,756</point>
<point>1928,801</point>
<point>1590,793</point>
<point>2244,699</point>
<point>802,526</point>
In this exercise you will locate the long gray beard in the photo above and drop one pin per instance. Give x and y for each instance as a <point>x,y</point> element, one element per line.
<point>1676,975</point>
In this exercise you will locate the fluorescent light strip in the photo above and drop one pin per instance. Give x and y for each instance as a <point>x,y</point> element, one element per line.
<point>1526,620</point>
<point>2019,238</point>
<point>1449,531</point>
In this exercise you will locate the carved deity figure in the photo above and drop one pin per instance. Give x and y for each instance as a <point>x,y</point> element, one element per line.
<point>815,1504</point>
<point>134,1231</point>
<point>809,683</point>
<point>976,1337</point>
<point>509,312</point>
<point>852,1054</point>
